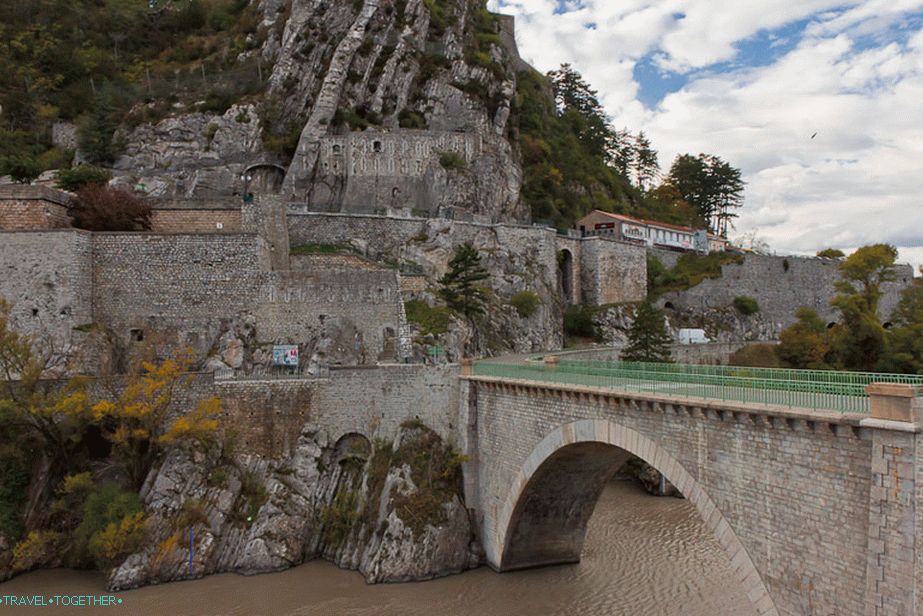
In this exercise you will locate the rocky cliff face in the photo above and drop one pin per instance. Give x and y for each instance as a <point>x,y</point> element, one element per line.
<point>392,511</point>
<point>724,324</point>
<point>410,100</point>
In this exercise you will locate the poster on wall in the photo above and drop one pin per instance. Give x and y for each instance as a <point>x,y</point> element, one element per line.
<point>285,355</point>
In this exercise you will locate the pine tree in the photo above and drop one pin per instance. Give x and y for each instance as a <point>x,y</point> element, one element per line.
<point>460,285</point>
<point>711,186</point>
<point>620,151</point>
<point>578,104</point>
<point>648,339</point>
<point>645,166</point>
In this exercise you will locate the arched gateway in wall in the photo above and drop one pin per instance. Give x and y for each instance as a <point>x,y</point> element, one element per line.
<point>543,520</point>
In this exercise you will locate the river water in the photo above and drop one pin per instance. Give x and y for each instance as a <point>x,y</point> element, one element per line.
<point>643,556</point>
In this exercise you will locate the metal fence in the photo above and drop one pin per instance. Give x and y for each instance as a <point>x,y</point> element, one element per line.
<point>803,389</point>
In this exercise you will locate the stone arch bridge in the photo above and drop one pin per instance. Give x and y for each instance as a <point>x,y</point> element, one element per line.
<point>817,511</point>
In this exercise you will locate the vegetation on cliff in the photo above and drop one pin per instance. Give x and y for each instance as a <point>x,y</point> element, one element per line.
<point>461,287</point>
<point>690,270</point>
<point>91,62</point>
<point>77,453</point>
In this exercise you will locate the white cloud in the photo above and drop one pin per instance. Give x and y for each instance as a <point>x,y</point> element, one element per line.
<point>849,79</point>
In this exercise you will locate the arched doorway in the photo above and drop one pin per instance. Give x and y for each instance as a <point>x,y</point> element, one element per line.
<point>544,517</point>
<point>353,446</point>
<point>566,275</point>
<point>264,178</point>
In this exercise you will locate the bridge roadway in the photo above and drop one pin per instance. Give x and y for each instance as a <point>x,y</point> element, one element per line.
<point>816,509</point>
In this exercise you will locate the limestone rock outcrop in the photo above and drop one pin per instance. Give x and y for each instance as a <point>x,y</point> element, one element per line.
<point>395,105</point>
<point>363,509</point>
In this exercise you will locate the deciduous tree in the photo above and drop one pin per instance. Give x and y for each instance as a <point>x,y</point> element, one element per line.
<point>804,344</point>
<point>142,419</point>
<point>102,208</point>
<point>859,340</point>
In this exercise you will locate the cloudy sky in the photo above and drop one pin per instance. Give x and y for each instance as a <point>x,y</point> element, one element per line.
<point>819,102</point>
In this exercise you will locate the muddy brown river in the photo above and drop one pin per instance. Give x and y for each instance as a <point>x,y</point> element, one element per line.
<point>643,556</point>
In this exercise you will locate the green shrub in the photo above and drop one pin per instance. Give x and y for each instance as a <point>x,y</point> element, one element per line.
<point>55,158</point>
<point>691,269</point>
<point>525,303</point>
<point>831,253</point>
<point>759,355</point>
<point>432,320</point>
<point>251,498</point>
<point>119,539</point>
<point>108,504</point>
<point>451,161</point>
<point>23,168</point>
<point>436,471</point>
<point>578,322</point>
<point>218,477</point>
<point>658,276</point>
<point>340,517</point>
<point>75,178</point>
<point>746,305</point>
<point>37,549</point>
<point>15,473</point>
<point>411,119</point>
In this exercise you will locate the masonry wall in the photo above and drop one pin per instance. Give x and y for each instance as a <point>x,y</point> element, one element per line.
<point>195,221</point>
<point>781,285</point>
<point>47,277</point>
<point>270,415</point>
<point>294,305</point>
<point>181,279</point>
<point>374,401</point>
<point>28,207</point>
<point>795,493</point>
<point>612,272</point>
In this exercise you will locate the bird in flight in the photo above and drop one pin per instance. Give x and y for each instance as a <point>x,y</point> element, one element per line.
<point>814,135</point>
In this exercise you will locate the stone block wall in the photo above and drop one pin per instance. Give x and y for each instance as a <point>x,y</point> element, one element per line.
<point>195,221</point>
<point>781,285</point>
<point>47,277</point>
<point>174,279</point>
<point>269,415</point>
<point>26,208</point>
<point>612,272</point>
<point>294,305</point>
<point>374,401</point>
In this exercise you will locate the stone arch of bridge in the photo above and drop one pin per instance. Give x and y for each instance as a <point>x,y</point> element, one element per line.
<point>544,518</point>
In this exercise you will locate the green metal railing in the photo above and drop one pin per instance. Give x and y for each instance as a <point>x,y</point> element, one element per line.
<point>803,389</point>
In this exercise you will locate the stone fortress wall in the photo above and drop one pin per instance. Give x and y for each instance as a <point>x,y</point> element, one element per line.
<point>270,415</point>
<point>191,289</point>
<point>374,171</point>
<point>33,207</point>
<point>47,276</point>
<point>601,270</point>
<point>780,285</point>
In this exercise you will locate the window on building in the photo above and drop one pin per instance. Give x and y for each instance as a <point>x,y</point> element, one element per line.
<point>376,146</point>
<point>337,149</point>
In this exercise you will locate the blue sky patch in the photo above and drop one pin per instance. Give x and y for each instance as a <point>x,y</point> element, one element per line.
<point>761,49</point>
